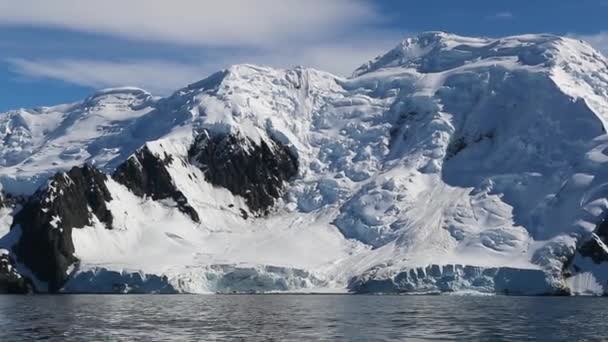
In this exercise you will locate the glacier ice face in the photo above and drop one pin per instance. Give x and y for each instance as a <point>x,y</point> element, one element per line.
<point>223,279</point>
<point>457,278</point>
<point>447,152</point>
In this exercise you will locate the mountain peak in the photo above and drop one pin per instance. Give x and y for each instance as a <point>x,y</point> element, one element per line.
<point>132,96</point>
<point>120,90</point>
<point>478,160</point>
<point>437,51</point>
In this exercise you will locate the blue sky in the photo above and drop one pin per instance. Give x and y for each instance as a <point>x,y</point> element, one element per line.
<point>60,51</point>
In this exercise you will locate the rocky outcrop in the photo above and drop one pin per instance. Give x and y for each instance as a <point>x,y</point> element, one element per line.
<point>145,174</point>
<point>595,248</point>
<point>11,281</point>
<point>70,200</point>
<point>584,269</point>
<point>460,143</point>
<point>257,172</point>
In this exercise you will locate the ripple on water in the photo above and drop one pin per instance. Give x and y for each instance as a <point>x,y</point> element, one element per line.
<point>300,317</point>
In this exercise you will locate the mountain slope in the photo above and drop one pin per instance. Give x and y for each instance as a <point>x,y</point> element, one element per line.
<point>99,130</point>
<point>449,163</point>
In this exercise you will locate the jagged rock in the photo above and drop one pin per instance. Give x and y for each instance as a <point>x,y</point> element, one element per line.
<point>595,248</point>
<point>257,172</point>
<point>446,148</point>
<point>70,200</point>
<point>584,270</point>
<point>460,143</point>
<point>10,280</point>
<point>11,200</point>
<point>146,175</point>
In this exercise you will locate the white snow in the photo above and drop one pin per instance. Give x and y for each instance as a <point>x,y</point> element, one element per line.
<point>155,238</point>
<point>447,150</point>
<point>99,130</point>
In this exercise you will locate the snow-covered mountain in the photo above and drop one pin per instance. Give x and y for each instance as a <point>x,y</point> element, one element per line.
<point>447,164</point>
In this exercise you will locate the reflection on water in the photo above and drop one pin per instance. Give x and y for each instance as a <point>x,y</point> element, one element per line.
<point>301,317</point>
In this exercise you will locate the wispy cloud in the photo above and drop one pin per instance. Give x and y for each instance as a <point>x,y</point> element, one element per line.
<point>195,38</point>
<point>598,40</point>
<point>159,77</point>
<point>225,22</point>
<point>505,15</point>
<point>164,76</point>
<point>338,57</point>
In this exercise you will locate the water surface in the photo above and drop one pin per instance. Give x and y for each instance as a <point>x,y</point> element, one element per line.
<point>301,317</point>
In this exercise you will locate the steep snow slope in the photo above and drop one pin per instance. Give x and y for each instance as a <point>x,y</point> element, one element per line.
<point>449,163</point>
<point>39,142</point>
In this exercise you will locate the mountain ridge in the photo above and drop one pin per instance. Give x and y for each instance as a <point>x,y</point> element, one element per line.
<point>447,164</point>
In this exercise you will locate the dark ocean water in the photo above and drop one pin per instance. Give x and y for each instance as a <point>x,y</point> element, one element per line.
<point>301,317</point>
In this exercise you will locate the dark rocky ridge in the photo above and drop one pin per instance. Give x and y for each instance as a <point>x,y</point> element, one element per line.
<point>462,142</point>
<point>11,281</point>
<point>592,248</point>
<point>256,172</point>
<point>146,175</point>
<point>70,200</point>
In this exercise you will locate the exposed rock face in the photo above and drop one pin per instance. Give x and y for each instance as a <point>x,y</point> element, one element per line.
<point>490,153</point>
<point>10,280</point>
<point>595,248</point>
<point>584,271</point>
<point>70,200</point>
<point>146,175</point>
<point>462,142</point>
<point>257,172</point>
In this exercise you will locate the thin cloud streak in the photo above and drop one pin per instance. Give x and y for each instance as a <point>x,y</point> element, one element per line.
<point>501,16</point>
<point>163,76</point>
<point>159,77</point>
<point>219,23</point>
<point>598,40</point>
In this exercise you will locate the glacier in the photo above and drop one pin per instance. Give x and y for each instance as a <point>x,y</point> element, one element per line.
<point>448,164</point>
